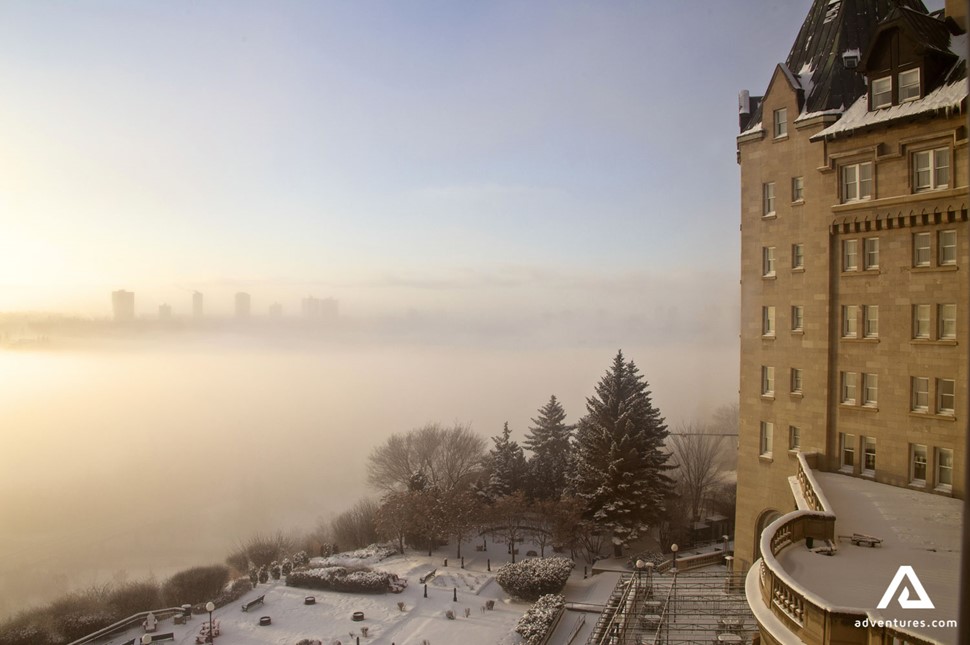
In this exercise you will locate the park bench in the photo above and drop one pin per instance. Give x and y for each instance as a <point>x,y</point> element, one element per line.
<point>252,603</point>
<point>428,576</point>
<point>861,539</point>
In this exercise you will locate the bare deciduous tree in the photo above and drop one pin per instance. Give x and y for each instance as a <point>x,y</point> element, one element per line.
<point>697,454</point>
<point>448,458</point>
<point>356,527</point>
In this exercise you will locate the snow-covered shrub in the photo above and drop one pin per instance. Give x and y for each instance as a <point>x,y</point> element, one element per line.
<point>195,585</point>
<point>537,621</point>
<point>340,579</point>
<point>263,575</point>
<point>286,566</point>
<point>133,597</point>
<point>275,570</point>
<point>75,625</point>
<point>25,635</point>
<point>253,575</point>
<point>368,555</point>
<point>530,579</point>
<point>300,559</point>
<point>450,615</point>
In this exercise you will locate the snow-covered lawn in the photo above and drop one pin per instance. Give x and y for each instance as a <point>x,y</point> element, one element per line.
<point>329,620</point>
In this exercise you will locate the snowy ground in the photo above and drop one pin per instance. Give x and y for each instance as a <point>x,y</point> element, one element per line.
<point>329,620</point>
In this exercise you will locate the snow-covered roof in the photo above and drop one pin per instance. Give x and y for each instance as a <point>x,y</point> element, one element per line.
<point>946,98</point>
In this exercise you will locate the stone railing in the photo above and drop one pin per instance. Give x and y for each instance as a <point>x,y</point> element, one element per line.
<point>688,562</point>
<point>805,614</point>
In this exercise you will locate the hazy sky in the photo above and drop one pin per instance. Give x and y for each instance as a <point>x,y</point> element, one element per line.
<point>390,154</point>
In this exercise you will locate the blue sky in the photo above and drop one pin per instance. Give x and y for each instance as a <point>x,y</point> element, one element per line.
<point>398,156</point>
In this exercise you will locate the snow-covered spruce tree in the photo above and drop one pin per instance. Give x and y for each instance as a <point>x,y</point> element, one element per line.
<point>506,466</point>
<point>549,442</point>
<point>620,461</point>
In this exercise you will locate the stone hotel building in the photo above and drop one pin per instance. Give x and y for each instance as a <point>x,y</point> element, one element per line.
<point>854,330</point>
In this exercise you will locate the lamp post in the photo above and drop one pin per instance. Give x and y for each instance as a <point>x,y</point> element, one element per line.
<point>146,639</point>
<point>210,607</point>
<point>674,549</point>
<point>639,565</point>
<point>673,594</point>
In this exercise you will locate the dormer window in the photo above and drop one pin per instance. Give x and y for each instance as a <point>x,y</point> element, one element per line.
<point>881,92</point>
<point>909,85</point>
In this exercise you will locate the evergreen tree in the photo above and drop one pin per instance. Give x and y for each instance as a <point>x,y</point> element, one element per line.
<point>620,462</point>
<point>549,442</point>
<point>507,466</point>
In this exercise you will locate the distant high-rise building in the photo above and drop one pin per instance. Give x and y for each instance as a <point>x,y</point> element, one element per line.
<point>243,305</point>
<point>319,308</point>
<point>123,305</point>
<point>197,304</point>
<point>276,310</point>
<point>164,311</point>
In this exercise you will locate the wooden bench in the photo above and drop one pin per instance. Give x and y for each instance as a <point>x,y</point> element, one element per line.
<point>861,539</point>
<point>252,603</point>
<point>428,576</point>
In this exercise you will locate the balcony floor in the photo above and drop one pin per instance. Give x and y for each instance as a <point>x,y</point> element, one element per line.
<point>918,529</point>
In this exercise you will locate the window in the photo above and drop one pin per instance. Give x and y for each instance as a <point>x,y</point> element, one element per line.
<point>921,321</point>
<point>850,255</point>
<point>917,454</point>
<point>870,389</point>
<point>921,393</point>
<point>882,92</point>
<point>948,247</point>
<point>869,455</point>
<point>857,182</point>
<point>767,429</point>
<point>769,199</point>
<point>797,256</point>
<point>767,321</point>
<point>767,261</point>
<point>797,318</point>
<point>848,387</point>
<point>767,380</point>
<point>944,468</point>
<point>781,121</point>
<point>909,85</point>
<point>871,253</point>
<point>921,250</point>
<point>847,449</point>
<point>794,438</point>
<point>947,316</point>
<point>850,321</point>
<point>796,380</point>
<point>945,392</point>
<point>931,169</point>
<point>870,321</point>
<point>797,189</point>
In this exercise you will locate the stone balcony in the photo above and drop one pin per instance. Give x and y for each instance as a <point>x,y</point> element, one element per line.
<point>813,584</point>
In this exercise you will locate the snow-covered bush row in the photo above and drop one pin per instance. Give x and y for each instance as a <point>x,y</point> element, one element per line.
<point>340,579</point>
<point>230,593</point>
<point>368,555</point>
<point>537,621</point>
<point>530,579</point>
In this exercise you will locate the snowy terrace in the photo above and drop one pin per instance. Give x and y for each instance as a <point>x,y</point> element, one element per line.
<point>813,582</point>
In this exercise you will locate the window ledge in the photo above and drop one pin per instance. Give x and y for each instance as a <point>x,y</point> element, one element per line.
<point>944,489</point>
<point>855,406</point>
<point>779,138</point>
<point>918,484</point>
<point>864,339</point>
<point>798,332</point>
<point>793,452</point>
<point>769,276</point>
<point>868,474</point>
<point>798,270</point>
<point>937,343</point>
<point>771,215</point>
<point>798,202</point>
<point>768,336</point>
<point>796,395</point>
<point>768,397</point>
<point>930,415</point>
<point>847,470</point>
<point>934,269</point>
<point>766,457</point>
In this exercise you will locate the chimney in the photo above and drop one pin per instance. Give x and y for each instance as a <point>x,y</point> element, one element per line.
<point>956,10</point>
